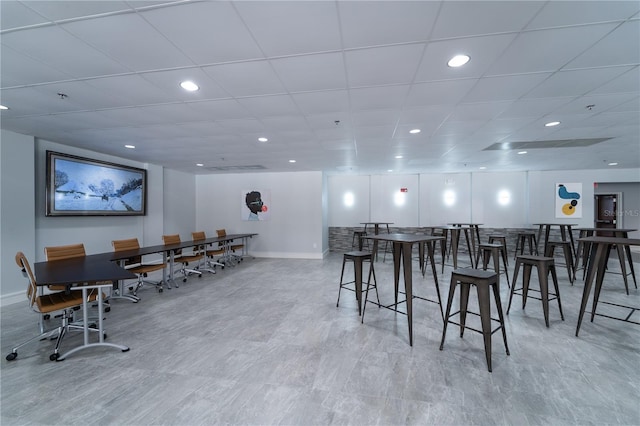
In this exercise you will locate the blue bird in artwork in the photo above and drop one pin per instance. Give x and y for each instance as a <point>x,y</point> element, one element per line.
<point>566,195</point>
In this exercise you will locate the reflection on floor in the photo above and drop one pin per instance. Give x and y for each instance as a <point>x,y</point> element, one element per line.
<point>263,343</point>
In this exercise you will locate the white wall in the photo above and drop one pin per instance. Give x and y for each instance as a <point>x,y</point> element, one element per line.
<point>348,200</point>
<point>295,226</point>
<point>390,204</point>
<point>542,187</point>
<point>179,204</point>
<point>24,226</point>
<point>17,220</point>
<point>532,197</point>
<point>434,187</point>
<point>500,200</point>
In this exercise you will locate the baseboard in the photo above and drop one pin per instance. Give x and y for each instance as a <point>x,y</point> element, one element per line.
<point>12,298</point>
<point>288,255</point>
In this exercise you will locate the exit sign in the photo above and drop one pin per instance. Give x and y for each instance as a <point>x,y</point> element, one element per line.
<point>404,189</point>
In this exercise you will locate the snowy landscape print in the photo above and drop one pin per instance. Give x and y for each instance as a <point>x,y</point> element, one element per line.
<point>86,187</point>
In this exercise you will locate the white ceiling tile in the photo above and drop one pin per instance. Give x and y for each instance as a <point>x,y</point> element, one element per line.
<point>628,82</point>
<point>221,109</point>
<point>269,106</point>
<point>384,60</point>
<point>465,18</point>
<point>214,32</point>
<point>621,47</point>
<point>312,72</point>
<point>322,102</point>
<point>69,9</point>
<point>574,83</point>
<point>540,51</point>
<point>387,22</point>
<point>169,83</point>
<point>504,88</point>
<point>131,89</point>
<point>289,28</point>
<point>564,13</point>
<point>383,97</point>
<point>14,14</point>
<point>483,52</point>
<point>246,78</point>
<point>440,92</point>
<point>61,51</point>
<point>150,51</point>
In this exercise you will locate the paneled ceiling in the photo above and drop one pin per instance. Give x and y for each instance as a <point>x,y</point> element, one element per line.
<point>334,85</point>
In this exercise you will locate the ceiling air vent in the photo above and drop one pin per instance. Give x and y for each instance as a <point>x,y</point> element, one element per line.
<point>559,143</point>
<point>235,168</point>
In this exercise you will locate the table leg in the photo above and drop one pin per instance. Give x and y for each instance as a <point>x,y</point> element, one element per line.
<point>408,288</point>
<point>431,252</point>
<point>85,325</point>
<point>595,260</point>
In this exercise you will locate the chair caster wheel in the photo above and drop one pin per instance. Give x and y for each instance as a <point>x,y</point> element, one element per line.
<point>184,280</point>
<point>46,317</point>
<point>160,290</point>
<point>107,309</point>
<point>54,357</point>
<point>12,356</point>
<point>104,336</point>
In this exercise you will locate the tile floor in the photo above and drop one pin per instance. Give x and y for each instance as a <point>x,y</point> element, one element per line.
<point>264,343</point>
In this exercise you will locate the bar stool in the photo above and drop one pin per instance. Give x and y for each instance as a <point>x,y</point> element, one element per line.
<point>358,258</point>
<point>501,238</point>
<point>359,236</point>
<point>568,255</point>
<point>482,280</point>
<point>529,237</point>
<point>544,265</point>
<point>496,250</point>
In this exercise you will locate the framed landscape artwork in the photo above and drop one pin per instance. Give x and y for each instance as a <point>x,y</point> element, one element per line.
<point>78,186</point>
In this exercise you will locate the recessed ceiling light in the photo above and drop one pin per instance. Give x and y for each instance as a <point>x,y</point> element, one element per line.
<point>522,152</point>
<point>552,123</point>
<point>189,85</point>
<point>458,61</point>
<point>263,140</point>
<point>414,131</point>
<point>398,157</point>
<point>613,164</point>
<point>482,167</point>
<point>3,107</point>
<point>199,164</point>
<point>130,146</point>
<point>390,170</point>
<point>292,161</point>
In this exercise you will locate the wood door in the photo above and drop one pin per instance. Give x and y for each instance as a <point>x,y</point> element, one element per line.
<point>606,206</point>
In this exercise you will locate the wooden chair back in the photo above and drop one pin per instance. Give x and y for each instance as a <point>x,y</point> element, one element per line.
<point>64,252</point>
<point>125,245</point>
<point>32,289</point>
<point>172,239</point>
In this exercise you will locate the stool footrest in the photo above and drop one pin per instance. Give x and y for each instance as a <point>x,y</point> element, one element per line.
<point>471,328</point>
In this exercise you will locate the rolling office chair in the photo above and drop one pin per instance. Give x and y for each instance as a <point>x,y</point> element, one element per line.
<point>230,248</point>
<point>210,254</point>
<point>46,304</point>
<point>67,252</point>
<point>184,259</point>
<point>136,266</point>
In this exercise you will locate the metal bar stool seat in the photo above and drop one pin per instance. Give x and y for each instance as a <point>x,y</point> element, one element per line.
<point>495,250</point>
<point>359,236</point>
<point>545,265</point>
<point>482,280</point>
<point>568,256</point>
<point>528,237</point>
<point>358,258</point>
<point>502,239</point>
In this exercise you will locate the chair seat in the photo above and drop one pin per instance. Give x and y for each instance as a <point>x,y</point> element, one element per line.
<point>48,303</point>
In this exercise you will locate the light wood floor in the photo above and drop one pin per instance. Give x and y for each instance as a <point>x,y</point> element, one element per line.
<point>264,343</point>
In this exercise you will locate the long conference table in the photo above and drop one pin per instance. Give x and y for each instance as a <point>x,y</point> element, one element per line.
<point>100,271</point>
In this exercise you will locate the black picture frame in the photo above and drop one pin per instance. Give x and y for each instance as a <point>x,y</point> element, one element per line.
<point>78,186</point>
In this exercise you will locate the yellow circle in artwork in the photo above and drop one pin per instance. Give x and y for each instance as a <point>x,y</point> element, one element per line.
<point>568,209</point>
